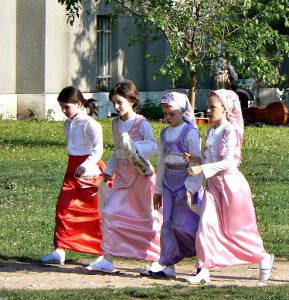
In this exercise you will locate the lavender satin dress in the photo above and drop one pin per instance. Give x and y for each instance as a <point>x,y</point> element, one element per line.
<point>180,223</point>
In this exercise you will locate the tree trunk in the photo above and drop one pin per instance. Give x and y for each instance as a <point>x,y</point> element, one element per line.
<point>193,89</point>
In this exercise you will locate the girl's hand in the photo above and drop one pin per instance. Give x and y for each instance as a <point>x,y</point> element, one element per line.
<point>190,158</point>
<point>158,201</point>
<point>80,170</point>
<point>192,171</point>
<point>106,177</point>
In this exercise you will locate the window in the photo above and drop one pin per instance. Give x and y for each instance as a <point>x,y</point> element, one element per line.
<point>103,53</point>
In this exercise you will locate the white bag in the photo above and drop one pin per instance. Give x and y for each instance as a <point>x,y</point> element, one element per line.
<point>142,166</point>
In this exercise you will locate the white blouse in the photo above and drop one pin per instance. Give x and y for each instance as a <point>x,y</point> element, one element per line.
<point>146,147</point>
<point>192,184</point>
<point>84,137</point>
<point>212,162</point>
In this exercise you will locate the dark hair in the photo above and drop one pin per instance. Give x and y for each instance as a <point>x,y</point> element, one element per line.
<point>93,107</point>
<point>128,90</point>
<point>72,95</point>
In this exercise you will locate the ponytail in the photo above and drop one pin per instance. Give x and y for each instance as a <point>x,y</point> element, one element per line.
<point>93,107</point>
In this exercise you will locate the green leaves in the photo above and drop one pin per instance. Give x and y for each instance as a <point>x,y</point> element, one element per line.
<point>249,34</point>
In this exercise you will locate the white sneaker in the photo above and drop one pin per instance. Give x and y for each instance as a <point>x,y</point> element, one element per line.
<point>154,267</point>
<point>52,258</point>
<point>167,272</point>
<point>101,265</point>
<point>266,267</point>
<point>202,277</point>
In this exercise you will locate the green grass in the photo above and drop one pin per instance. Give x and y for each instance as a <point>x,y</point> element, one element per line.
<point>160,292</point>
<point>33,161</point>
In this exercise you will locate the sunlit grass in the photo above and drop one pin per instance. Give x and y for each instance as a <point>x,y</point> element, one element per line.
<point>33,161</point>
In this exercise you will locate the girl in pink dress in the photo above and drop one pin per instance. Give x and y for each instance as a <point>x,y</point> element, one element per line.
<point>131,227</point>
<point>228,233</point>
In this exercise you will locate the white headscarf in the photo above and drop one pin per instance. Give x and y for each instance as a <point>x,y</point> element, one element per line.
<point>181,103</point>
<point>232,105</point>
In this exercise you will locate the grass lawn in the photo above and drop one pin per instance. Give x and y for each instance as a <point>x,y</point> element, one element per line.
<point>33,161</point>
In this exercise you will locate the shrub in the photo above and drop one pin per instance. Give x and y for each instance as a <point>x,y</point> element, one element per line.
<point>151,110</point>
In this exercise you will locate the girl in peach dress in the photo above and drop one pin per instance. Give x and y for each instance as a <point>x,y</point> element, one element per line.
<point>131,227</point>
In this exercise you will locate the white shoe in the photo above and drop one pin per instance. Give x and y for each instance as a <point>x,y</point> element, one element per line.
<point>167,272</point>
<point>266,267</point>
<point>101,265</point>
<point>202,277</point>
<point>154,267</point>
<point>52,258</point>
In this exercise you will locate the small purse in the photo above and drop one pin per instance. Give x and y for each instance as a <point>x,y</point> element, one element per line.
<point>141,165</point>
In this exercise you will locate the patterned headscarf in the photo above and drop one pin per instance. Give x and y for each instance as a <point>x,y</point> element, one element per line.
<point>232,105</point>
<point>181,103</point>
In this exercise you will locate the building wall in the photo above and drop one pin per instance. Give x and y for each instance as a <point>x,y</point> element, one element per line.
<point>41,53</point>
<point>8,46</point>
<point>70,54</point>
<point>51,54</point>
<point>130,62</point>
<point>8,97</point>
<point>30,46</point>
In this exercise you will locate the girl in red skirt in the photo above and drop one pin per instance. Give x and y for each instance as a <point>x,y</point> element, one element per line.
<point>78,222</point>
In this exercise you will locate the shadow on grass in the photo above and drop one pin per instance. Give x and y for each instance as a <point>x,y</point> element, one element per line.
<point>26,264</point>
<point>231,278</point>
<point>31,143</point>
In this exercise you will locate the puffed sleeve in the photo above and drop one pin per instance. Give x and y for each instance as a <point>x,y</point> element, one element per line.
<point>226,149</point>
<point>148,146</point>
<point>93,133</point>
<point>194,183</point>
<point>111,164</point>
<point>66,128</point>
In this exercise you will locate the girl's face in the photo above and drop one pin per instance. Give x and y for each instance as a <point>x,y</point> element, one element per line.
<point>70,109</point>
<point>122,106</point>
<point>173,117</point>
<point>215,110</point>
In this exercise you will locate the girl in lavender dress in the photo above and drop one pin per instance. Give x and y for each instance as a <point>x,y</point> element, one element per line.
<point>180,223</point>
<point>228,233</point>
<point>131,226</point>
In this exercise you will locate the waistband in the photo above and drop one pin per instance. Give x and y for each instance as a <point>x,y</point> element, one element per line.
<point>177,167</point>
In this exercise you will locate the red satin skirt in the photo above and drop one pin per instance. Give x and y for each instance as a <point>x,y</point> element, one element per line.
<point>78,221</point>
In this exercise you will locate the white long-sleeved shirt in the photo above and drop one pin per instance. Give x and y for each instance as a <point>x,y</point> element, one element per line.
<point>84,137</point>
<point>146,147</point>
<point>192,184</point>
<point>214,161</point>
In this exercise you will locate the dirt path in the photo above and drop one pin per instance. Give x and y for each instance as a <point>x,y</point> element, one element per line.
<point>18,275</point>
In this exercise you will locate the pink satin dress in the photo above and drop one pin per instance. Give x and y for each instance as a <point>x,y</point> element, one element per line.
<point>228,233</point>
<point>131,227</point>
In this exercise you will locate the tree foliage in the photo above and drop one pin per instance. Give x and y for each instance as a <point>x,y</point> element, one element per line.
<point>251,34</point>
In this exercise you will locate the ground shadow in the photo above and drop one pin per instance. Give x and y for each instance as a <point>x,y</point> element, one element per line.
<point>31,143</point>
<point>30,265</point>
